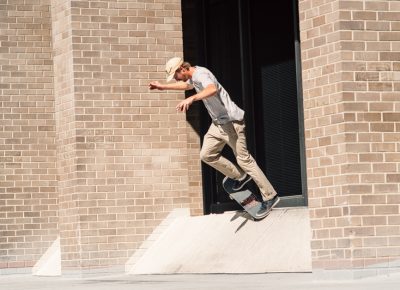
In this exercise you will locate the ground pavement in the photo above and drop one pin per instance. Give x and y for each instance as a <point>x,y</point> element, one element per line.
<point>281,281</point>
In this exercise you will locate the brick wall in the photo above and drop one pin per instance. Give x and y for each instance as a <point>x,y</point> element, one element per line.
<point>350,59</point>
<point>28,187</point>
<point>124,158</point>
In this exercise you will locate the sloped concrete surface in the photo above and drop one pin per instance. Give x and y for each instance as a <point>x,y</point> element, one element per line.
<point>231,243</point>
<point>177,213</point>
<point>50,263</point>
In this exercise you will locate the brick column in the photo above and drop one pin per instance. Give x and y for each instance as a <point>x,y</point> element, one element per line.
<point>350,58</point>
<point>123,153</point>
<point>69,220</point>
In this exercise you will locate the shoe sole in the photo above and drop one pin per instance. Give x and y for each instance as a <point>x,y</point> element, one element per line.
<point>260,216</point>
<point>276,202</point>
<point>237,189</point>
<point>268,212</point>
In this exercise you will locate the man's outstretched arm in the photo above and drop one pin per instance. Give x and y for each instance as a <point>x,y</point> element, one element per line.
<point>181,86</point>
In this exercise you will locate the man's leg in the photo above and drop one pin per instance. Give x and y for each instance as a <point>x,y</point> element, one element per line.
<point>213,143</point>
<point>237,141</point>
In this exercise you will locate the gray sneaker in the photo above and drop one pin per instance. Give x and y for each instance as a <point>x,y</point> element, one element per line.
<point>238,185</point>
<point>267,206</point>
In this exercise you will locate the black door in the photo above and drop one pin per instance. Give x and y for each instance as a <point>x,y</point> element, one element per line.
<point>254,57</point>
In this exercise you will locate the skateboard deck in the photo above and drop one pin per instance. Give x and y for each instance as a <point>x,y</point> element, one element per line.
<point>245,198</point>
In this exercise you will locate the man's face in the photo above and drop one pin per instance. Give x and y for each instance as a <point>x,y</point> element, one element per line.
<point>181,74</point>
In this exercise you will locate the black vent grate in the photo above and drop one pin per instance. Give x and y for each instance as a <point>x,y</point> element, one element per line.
<point>281,127</point>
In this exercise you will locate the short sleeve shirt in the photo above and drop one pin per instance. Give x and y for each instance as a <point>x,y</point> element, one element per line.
<point>220,106</point>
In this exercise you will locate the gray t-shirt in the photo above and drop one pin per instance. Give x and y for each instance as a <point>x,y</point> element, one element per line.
<point>220,106</point>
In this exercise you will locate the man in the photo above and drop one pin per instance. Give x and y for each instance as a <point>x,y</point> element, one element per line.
<point>227,127</point>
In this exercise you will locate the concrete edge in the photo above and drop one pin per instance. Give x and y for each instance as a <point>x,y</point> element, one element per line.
<point>15,271</point>
<point>384,269</point>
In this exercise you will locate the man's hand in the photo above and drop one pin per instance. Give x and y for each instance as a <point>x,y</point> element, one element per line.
<point>184,105</point>
<point>155,85</point>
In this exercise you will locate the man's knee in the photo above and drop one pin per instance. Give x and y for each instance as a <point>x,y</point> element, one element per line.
<point>245,161</point>
<point>206,156</point>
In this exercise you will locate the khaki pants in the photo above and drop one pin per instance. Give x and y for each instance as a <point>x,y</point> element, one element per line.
<point>233,134</point>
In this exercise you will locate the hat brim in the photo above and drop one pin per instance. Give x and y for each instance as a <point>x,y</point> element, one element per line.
<point>170,76</point>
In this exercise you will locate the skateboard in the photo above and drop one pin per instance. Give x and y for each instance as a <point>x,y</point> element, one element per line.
<point>245,198</point>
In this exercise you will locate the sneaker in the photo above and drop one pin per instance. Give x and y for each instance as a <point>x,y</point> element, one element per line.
<point>267,206</point>
<point>238,185</point>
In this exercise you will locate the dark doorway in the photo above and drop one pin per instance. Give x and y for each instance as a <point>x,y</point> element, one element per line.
<point>255,57</point>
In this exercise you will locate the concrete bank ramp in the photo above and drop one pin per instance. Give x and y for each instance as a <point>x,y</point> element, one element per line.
<point>228,243</point>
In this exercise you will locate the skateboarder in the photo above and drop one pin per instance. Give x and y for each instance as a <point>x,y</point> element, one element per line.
<point>227,127</point>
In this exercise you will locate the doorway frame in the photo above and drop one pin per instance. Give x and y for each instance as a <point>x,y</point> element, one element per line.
<point>210,190</point>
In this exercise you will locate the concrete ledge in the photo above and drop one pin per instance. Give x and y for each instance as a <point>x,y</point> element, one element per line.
<point>230,243</point>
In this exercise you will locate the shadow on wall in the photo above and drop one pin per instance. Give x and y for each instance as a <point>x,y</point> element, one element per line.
<point>195,116</point>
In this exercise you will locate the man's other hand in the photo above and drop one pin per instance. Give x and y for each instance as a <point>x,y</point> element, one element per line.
<point>184,105</point>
